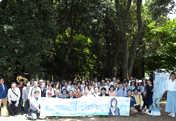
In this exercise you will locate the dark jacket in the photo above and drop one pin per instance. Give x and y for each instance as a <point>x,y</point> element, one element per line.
<point>43,93</point>
<point>149,93</point>
<point>105,94</point>
<point>117,112</point>
<point>3,94</point>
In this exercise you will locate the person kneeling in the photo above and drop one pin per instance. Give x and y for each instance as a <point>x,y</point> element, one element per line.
<point>132,102</point>
<point>139,101</point>
<point>35,107</point>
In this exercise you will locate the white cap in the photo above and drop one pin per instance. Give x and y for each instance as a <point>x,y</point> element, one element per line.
<point>40,80</point>
<point>139,81</point>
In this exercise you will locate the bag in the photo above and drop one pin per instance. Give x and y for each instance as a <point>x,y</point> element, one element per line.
<point>14,93</point>
<point>4,111</point>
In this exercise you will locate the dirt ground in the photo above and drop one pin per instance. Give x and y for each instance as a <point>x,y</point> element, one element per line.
<point>137,117</point>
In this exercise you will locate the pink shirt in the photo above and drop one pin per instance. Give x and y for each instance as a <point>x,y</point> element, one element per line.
<point>112,93</point>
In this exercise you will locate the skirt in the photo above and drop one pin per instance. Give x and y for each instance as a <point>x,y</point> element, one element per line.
<point>171,102</point>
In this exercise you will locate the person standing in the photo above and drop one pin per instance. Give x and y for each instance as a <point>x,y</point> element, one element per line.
<point>96,92</point>
<point>112,91</point>
<point>33,89</point>
<point>21,86</point>
<point>57,94</point>
<point>35,106</point>
<point>103,92</point>
<point>43,90</point>
<point>120,91</point>
<point>3,93</point>
<point>25,97</point>
<point>107,85</point>
<point>113,80</point>
<point>149,100</point>
<point>171,96</point>
<point>13,98</point>
<point>126,87</point>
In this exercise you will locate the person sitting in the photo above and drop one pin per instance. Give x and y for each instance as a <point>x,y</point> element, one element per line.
<point>132,102</point>
<point>103,92</point>
<point>139,100</point>
<point>13,98</point>
<point>64,94</point>
<point>120,91</point>
<point>111,91</point>
<point>96,92</point>
<point>71,94</point>
<point>35,107</point>
<point>57,94</point>
<point>78,93</point>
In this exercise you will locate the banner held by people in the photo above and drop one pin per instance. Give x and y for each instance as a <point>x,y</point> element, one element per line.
<point>160,86</point>
<point>85,106</point>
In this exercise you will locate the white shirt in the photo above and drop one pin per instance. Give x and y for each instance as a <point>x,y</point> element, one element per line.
<point>89,96</point>
<point>96,95</point>
<point>171,85</point>
<point>112,83</point>
<point>12,96</point>
<point>32,90</point>
<point>49,91</point>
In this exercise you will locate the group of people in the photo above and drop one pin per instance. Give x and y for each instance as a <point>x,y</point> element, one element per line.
<point>139,91</point>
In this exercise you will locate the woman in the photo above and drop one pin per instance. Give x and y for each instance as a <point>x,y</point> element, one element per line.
<point>50,89</point>
<point>149,90</point>
<point>49,94</point>
<point>133,86</point>
<point>136,80</point>
<point>64,94</point>
<point>78,93</point>
<point>96,92</point>
<point>70,84</point>
<point>102,83</point>
<point>140,87</point>
<point>87,83</point>
<point>112,91</point>
<point>47,84</point>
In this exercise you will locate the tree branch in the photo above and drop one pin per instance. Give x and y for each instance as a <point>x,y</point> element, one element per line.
<point>127,10</point>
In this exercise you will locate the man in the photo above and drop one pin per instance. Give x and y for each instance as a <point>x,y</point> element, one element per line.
<point>21,86</point>
<point>103,92</point>
<point>83,86</point>
<point>86,94</point>
<point>171,94</point>
<point>75,87</point>
<point>3,93</point>
<point>139,100</point>
<point>35,106</point>
<point>132,102</point>
<point>115,85</point>
<point>131,79</point>
<point>40,82</point>
<point>71,95</point>
<point>120,91</point>
<point>43,90</point>
<point>32,82</point>
<point>66,87</point>
<point>117,80</point>
<point>25,97</point>
<point>126,86</point>
<point>113,80</point>
<point>93,84</point>
<point>57,94</point>
<point>107,85</point>
<point>33,89</point>
<point>99,86</point>
<point>96,82</point>
<point>13,98</point>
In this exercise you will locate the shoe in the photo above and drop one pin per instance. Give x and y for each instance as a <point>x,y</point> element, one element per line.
<point>170,114</point>
<point>143,110</point>
<point>149,114</point>
<point>173,115</point>
<point>147,111</point>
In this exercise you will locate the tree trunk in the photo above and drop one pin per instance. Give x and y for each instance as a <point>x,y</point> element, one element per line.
<point>138,37</point>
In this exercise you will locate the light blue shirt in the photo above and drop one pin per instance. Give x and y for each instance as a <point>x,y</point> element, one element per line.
<point>68,88</point>
<point>34,104</point>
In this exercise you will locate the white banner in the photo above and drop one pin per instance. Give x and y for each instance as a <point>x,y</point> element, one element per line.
<point>160,85</point>
<point>85,106</point>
